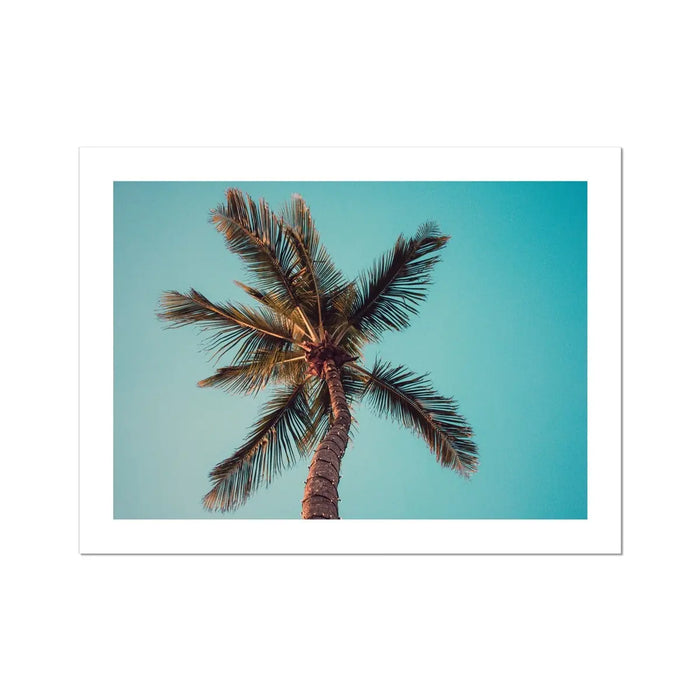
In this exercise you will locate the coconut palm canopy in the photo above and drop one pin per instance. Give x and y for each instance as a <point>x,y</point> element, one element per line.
<point>303,336</point>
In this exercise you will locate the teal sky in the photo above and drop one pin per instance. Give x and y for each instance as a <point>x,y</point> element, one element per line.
<point>503,330</point>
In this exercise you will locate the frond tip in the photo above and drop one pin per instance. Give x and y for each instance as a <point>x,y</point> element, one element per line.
<point>391,290</point>
<point>253,232</point>
<point>411,400</point>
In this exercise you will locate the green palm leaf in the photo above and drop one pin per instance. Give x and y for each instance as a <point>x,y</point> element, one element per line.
<point>411,400</point>
<point>274,303</point>
<point>262,240</point>
<point>319,274</point>
<point>263,368</point>
<point>275,442</point>
<point>338,308</point>
<point>390,291</point>
<point>246,329</point>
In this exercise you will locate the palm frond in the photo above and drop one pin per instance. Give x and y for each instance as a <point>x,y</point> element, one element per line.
<point>411,400</point>
<point>317,270</point>
<point>260,238</point>
<point>248,330</point>
<point>394,286</point>
<point>262,368</point>
<point>276,304</point>
<point>353,341</point>
<point>274,442</point>
<point>341,300</point>
<point>337,311</point>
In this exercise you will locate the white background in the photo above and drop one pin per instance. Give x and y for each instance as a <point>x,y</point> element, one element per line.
<point>535,74</point>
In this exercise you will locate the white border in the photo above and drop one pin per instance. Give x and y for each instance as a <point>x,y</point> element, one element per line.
<point>599,534</point>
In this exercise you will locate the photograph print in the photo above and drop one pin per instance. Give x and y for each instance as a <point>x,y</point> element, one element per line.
<point>398,350</point>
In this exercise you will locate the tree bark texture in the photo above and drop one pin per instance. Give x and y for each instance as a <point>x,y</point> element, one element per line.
<point>321,493</point>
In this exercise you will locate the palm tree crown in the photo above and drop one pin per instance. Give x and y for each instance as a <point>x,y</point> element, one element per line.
<point>307,322</point>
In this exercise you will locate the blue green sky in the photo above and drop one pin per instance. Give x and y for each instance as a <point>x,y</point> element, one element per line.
<point>503,330</point>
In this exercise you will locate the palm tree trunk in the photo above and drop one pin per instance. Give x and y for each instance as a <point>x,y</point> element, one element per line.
<point>321,493</point>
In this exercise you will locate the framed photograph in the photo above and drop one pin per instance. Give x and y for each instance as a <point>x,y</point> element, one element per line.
<point>420,344</point>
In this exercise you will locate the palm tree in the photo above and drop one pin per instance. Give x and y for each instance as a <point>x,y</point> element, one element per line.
<point>304,336</point>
